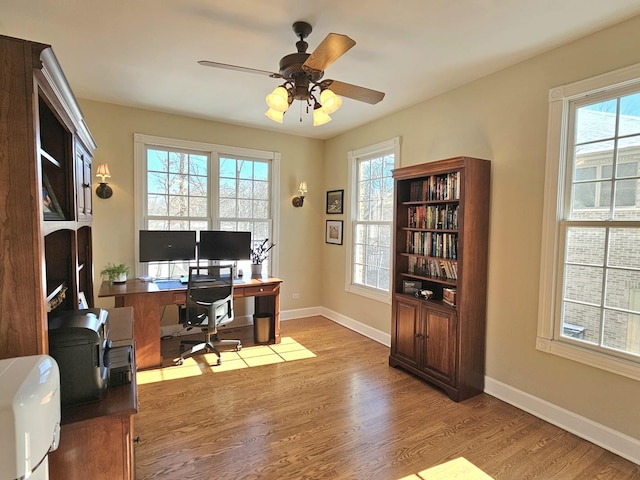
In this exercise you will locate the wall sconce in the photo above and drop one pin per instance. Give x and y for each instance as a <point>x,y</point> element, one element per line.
<point>299,200</point>
<point>103,190</point>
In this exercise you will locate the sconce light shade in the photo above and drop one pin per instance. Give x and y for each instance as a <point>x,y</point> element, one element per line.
<point>103,190</point>
<point>103,171</point>
<point>299,200</point>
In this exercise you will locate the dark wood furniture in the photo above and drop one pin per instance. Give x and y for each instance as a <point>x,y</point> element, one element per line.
<point>147,300</point>
<point>441,229</point>
<point>45,197</point>
<point>96,440</point>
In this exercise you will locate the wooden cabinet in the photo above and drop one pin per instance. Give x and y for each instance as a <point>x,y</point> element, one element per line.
<point>45,259</point>
<point>441,227</point>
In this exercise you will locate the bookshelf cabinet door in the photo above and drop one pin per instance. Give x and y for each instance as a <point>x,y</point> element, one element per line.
<point>407,331</point>
<point>440,344</point>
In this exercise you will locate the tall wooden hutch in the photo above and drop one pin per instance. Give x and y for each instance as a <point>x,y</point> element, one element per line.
<point>45,243</point>
<point>441,228</point>
<point>45,197</point>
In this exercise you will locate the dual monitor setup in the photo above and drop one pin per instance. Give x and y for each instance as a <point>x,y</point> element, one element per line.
<point>183,245</point>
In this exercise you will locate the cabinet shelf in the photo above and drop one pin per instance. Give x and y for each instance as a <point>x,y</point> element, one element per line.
<point>426,278</point>
<point>50,158</point>
<point>440,237</point>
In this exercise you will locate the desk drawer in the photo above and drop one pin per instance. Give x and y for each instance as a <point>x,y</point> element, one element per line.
<point>260,290</point>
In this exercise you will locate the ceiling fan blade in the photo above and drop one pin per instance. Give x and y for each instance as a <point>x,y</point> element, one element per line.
<point>355,92</point>
<point>226,66</point>
<point>330,49</point>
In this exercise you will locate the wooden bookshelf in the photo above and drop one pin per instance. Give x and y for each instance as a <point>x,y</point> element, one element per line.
<point>441,227</point>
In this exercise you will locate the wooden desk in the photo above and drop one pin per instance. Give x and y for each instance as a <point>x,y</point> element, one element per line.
<point>147,300</point>
<point>96,439</point>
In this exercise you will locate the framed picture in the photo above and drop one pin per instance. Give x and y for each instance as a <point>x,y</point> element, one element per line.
<point>50,205</point>
<point>334,232</point>
<point>334,201</point>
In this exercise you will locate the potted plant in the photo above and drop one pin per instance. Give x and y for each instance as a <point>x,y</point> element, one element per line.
<point>259,255</point>
<point>115,273</point>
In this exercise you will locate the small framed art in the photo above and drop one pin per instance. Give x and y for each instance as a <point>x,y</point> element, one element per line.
<point>334,232</point>
<point>334,201</point>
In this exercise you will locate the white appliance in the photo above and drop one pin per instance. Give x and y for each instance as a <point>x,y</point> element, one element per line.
<point>29,416</point>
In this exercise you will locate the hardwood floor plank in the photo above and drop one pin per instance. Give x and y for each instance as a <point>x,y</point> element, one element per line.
<point>341,413</point>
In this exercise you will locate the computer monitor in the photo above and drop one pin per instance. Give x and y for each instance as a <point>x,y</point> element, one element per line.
<point>167,246</point>
<point>224,245</point>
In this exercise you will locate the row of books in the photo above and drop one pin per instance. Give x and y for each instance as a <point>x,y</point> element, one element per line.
<point>434,216</point>
<point>435,268</point>
<point>436,187</point>
<point>433,244</point>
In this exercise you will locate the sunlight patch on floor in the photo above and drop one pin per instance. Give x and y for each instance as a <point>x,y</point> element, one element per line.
<point>458,469</point>
<point>288,350</point>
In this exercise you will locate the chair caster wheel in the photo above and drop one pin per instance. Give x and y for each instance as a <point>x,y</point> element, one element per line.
<point>179,362</point>
<point>219,362</point>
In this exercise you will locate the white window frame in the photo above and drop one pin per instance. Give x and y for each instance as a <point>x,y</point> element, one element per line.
<point>550,296</point>
<point>353,156</point>
<point>141,141</point>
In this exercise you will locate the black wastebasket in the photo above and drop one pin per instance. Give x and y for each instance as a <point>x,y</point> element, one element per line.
<point>261,328</point>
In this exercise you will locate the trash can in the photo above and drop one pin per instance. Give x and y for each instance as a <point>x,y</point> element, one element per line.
<point>261,328</point>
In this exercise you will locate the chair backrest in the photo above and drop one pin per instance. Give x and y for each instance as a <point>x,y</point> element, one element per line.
<point>210,288</point>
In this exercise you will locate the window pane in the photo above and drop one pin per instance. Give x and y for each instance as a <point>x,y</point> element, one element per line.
<point>620,283</point>
<point>585,245</point>
<point>227,207</point>
<point>227,187</point>
<point>630,118</point>
<point>586,318</point>
<point>583,284</point>
<point>596,122</point>
<point>622,331</point>
<point>624,248</point>
<point>157,182</point>
<point>158,205</point>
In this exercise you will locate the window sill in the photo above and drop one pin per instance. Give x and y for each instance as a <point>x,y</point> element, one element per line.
<point>384,297</point>
<point>599,360</point>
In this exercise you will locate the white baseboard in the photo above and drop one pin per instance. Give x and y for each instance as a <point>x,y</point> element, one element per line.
<point>601,435</point>
<point>356,326</point>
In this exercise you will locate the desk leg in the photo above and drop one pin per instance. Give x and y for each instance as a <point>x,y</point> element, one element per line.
<point>146,328</point>
<point>270,304</point>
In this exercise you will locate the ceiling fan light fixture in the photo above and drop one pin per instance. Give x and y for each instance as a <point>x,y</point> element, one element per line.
<point>320,117</point>
<point>330,101</point>
<point>275,115</point>
<point>278,100</point>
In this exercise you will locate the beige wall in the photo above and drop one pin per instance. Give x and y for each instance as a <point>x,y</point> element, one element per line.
<point>301,158</point>
<point>503,118</point>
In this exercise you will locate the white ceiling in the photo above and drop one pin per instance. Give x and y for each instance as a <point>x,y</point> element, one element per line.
<point>143,53</point>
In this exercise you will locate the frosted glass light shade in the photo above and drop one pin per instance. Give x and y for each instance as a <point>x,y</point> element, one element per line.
<point>275,115</point>
<point>330,101</point>
<point>320,117</point>
<point>302,188</point>
<point>278,100</point>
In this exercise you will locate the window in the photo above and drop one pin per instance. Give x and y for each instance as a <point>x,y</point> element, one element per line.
<point>371,213</point>
<point>590,277</point>
<point>182,185</point>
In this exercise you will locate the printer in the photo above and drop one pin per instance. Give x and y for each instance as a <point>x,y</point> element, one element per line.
<point>79,342</point>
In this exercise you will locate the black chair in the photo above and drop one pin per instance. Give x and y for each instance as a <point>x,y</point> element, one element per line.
<point>209,306</point>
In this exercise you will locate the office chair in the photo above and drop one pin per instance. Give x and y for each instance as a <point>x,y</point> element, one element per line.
<point>209,306</point>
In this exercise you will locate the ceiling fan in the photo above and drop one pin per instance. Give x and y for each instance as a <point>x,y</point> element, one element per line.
<point>303,74</point>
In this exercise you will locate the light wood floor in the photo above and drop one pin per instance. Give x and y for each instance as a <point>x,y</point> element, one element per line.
<point>340,413</point>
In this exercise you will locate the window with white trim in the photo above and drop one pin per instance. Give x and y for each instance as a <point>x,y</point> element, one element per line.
<point>183,185</point>
<point>371,218</point>
<point>590,277</point>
